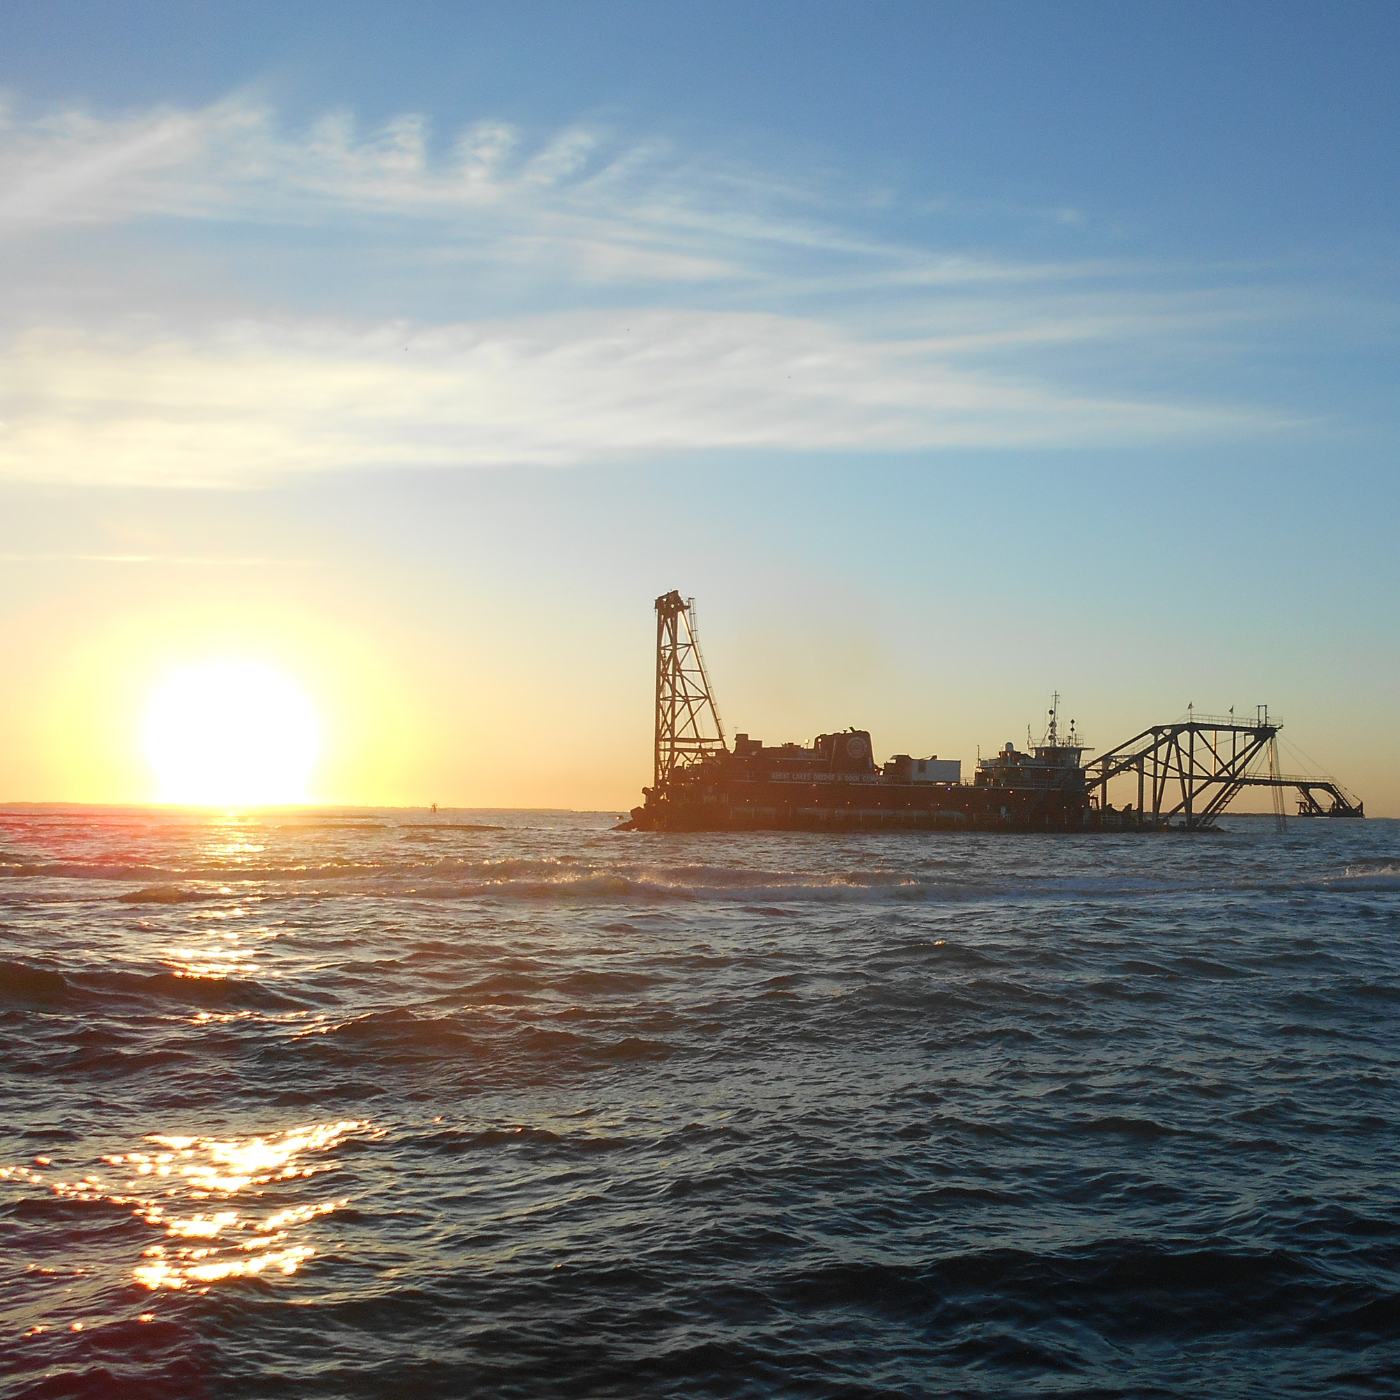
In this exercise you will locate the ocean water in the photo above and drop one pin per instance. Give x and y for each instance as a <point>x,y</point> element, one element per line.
<point>374,1104</point>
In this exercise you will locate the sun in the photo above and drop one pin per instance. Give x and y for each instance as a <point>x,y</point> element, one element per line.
<point>231,734</point>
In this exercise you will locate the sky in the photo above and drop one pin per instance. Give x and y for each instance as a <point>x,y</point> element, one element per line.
<point>948,354</point>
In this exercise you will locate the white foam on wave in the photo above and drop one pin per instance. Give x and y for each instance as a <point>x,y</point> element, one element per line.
<point>1385,866</point>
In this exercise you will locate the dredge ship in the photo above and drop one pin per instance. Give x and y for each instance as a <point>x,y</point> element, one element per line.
<point>700,783</point>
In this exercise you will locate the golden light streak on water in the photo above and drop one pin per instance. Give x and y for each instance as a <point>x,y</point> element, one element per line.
<point>172,1187</point>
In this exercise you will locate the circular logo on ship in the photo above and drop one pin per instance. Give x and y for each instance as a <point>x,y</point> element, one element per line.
<point>855,747</point>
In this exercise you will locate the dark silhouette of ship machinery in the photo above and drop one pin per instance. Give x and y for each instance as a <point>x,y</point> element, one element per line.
<point>1187,771</point>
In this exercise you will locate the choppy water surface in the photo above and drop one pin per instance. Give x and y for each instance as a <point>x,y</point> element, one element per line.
<point>375,1104</point>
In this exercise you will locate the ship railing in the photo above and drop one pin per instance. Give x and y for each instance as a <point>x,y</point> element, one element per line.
<point>1289,780</point>
<point>1224,721</point>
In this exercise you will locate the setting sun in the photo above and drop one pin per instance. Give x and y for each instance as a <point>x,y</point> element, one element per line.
<point>231,733</point>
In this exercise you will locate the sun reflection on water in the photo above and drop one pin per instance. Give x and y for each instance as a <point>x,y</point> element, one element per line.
<point>214,946</point>
<point>205,1196</point>
<point>212,962</point>
<point>235,848</point>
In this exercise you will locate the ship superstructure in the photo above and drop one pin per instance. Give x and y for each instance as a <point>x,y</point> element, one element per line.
<point>700,783</point>
<point>1053,763</point>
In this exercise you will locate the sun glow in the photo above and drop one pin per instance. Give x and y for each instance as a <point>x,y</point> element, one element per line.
<point>231,734</point>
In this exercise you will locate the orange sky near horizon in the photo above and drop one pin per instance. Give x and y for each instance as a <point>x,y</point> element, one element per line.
<point>493,708</point>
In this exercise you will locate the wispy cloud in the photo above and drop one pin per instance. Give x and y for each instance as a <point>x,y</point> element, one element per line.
<point>182,560</point>
<point>258,401</point>
<point>741,310</point>
<point>629,210</point>
<point>620,209</point>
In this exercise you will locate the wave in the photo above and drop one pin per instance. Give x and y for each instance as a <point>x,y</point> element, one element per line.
<point>396,1035</point>
<point>473,1040</point>
<point>454,1142</point>
<point>759,890</point>
<point>166,894</point>
<point>84,870</point>
<point>1105,1285</point>
<point>764,891</point>
<point>1384,867</point>
<point>22,982</point>
<point>408,860</point>
<point>448,828</point>
<point>37,985</point>
<point>201,991</point>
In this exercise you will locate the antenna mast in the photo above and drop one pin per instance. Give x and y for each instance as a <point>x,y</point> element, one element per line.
<point>685,707</point>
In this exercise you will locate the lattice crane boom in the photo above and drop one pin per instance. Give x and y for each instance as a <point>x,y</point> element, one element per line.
<point>688,726</point>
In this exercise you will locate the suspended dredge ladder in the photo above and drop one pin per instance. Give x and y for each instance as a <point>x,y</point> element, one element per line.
<point>1190,771</point>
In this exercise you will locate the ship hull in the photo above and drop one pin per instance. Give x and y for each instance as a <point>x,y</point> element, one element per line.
<point>869,806</point>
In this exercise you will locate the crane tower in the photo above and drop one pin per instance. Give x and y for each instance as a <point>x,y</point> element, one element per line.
<point>688,725</point>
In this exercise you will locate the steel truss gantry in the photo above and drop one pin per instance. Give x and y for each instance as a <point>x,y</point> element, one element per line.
<point>688,725</point>
<point>1194,768</point>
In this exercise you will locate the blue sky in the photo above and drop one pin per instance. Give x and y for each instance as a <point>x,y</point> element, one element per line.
<point>947,353</point>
